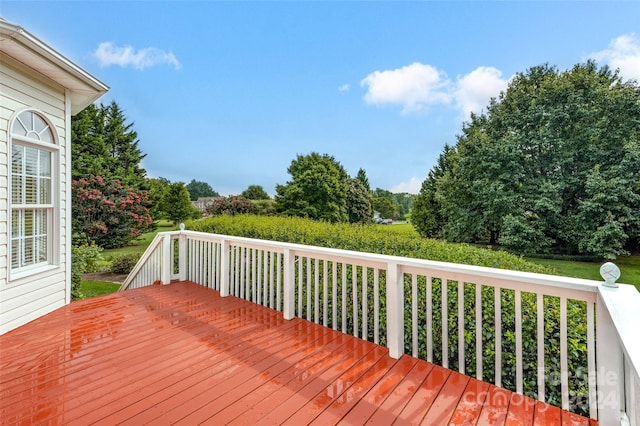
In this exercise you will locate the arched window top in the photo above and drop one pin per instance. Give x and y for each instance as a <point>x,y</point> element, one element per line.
<point>32,125</point>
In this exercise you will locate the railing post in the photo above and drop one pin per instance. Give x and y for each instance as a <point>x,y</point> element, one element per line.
<point>610,374</point>
<point>224,268</point>
<point>395,311</point>
<point>182,255</point>
<point>166,267</point>
<point>288,285</point>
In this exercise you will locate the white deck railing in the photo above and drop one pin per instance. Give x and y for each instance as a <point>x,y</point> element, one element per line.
<point>570,342</point>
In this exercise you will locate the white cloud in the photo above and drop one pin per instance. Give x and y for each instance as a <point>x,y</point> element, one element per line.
<point>475,90</point>
<point>624,54</point>
<point>344,88</point>
<point>418,85</point>
<point>109,54</point>
<point>413,86</point>
<point>412,186</point>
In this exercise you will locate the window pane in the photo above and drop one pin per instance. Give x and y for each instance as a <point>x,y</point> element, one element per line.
<point>16,159</point>
<point>31,190</point>
<point>16,189</point>
<point>31,161</point>
<point>15,254</point>
<point>27,257</point>
<point>28,225</point>
<point>15,224</point>
<point>45,191</point>
<point>45,163</point>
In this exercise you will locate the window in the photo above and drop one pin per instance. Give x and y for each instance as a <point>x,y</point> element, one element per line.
<point>33,152</point>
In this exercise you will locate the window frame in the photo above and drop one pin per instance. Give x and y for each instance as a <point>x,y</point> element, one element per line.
<point>52,209</point>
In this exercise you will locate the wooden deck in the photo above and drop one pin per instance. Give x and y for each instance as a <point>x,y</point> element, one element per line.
<point>182,354</point>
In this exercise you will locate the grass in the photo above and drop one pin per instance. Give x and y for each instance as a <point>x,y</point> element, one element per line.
<point>629,267</point>
<point>97,288</point>
<point>142,242</point>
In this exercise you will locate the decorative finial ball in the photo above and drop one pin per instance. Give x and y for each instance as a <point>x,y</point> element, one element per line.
<point>610,273</point>
<point>182,226</point>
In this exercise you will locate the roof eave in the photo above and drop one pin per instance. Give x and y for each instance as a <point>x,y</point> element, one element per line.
<point>85,88</point>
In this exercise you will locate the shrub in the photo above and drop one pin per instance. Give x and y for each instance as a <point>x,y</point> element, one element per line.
<point>124,263</point>
<point>365,238</point>
<point>106,212</point>
<point>84,258</point>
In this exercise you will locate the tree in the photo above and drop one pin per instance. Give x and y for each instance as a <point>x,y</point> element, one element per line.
<point>158,190</point>
<point>426,216</point>
<point>364,180</point>
<point>384,206</point>
<point>317,189</point>
<point>199,189</point>
<point>177,203</point>
<point>108,213</point>
<point>104,144</point>
<point>255,192</point>
<point>552,165</point>
<point>359,207</point>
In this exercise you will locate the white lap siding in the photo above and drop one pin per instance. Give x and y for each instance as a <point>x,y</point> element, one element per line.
<point>27,298</point>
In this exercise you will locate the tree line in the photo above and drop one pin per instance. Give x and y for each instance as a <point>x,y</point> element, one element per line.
<point>113,201</point>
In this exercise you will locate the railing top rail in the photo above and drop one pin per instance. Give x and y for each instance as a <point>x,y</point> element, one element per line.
<point>413,264</point>
<point>152,246</point>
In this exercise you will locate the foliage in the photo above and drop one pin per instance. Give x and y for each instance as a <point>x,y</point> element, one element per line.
<point>199,189</point>
<point>359,207</point>
<point>367,238</point>
<point>364,180</point>
<point>104,144</point>
<point>317,189</point>
<point>384,206</point>
<point>552,166</point>
<point>124,263</point>
<point>255,192</point>
<point>158,190</point>
<point>231,205</point>
<point>84,258</point>
<point>177,203</point>
<point>107,213</point>
<point>264,207</point>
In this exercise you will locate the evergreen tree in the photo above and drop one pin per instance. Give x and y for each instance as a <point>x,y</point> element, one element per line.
<point>104,144</point>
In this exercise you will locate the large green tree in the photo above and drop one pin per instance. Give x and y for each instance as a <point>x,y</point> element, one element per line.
<point>199,189</point>
<point>255,192</point>
<point>158,190</point>
<point>177,203</point>
<point>552,165</point>
<point>317,189</point>
<point>359,207</point>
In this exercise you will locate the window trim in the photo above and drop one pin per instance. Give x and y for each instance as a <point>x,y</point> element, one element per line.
<point>54,221</point>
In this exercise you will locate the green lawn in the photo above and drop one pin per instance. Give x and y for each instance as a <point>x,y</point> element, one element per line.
<point>97,288</point>
<point>629,267</point>
<point>142,242</point>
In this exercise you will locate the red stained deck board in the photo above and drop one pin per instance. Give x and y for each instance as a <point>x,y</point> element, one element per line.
<point>181,353</point>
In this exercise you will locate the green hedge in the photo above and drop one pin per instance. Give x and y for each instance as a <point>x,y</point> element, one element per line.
<point>364,238</point>
<point>383,240</point>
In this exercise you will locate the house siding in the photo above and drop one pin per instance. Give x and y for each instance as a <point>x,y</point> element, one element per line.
<point>25,299</point>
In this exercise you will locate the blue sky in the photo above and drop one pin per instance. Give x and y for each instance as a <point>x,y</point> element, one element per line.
<point>230,92</point>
